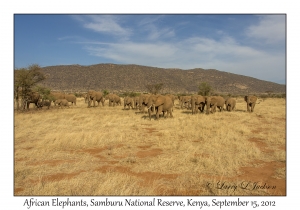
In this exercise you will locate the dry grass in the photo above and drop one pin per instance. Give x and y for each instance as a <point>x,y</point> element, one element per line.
<point>111,151</point>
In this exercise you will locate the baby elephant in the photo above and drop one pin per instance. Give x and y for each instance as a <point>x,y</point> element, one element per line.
<point>230,104</point>
<point>44,103</point>
<point>62,102</point>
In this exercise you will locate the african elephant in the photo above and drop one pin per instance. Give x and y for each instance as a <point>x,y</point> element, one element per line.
<point>62,102</point>
<point>186,102</point>
<point>161,104</point>
<point>113,99</point>
<point>251,101</point>
<point>212,102</point>
<point>128,101</point>
<point>43,103</point>
<point>85,96</point>
<point>197,102</point>
<point>71,98</point>
<point>143,101</point>
<point>230,104</point>
<point>56,95</point>
<point>33,97</point>
<point>172,97</point>
<point>136,102</point>
<point>95,96</point>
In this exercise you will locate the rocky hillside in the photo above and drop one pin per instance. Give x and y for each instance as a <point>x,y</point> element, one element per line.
<point>120,78</point>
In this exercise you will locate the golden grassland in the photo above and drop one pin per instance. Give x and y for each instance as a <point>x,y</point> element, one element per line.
<point>111,151</point>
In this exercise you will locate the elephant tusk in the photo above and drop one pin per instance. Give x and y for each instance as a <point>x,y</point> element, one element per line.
<point>149,107</point>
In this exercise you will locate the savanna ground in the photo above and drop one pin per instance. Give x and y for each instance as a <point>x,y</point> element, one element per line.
<point>111,151</point>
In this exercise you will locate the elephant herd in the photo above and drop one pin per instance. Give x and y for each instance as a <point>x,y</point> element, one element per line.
<point>197,103</point>
<point>58,98</point>
<point>154,104</point>
<point>157,104</point>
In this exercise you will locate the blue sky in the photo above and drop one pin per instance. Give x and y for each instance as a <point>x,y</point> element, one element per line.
<point>251,45</point>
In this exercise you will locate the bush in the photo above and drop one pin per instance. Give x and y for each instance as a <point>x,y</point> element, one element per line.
<point>205,89</point>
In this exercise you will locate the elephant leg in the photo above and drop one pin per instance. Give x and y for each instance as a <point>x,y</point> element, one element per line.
<point>196,109</point>
<point>159,110</point>
<point>253,105</point>
<point>149,113</point>
<point>170,112</point>
<point>248,107</point>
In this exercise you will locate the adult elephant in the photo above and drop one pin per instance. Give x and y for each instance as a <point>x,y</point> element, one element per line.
<point>113,99</point>
<point>160,103</point>
<point>56,95</point>
<point>186,102</point>
<point>71,98</point>
<point>85,96</point>
<point>172,97</point>
<point>94,96</point>
<point>136,102</point>
<point>128,101</point>
<point>251,101</point>
<point>143,101</point>
<point>197,103</point>
<point>212,102</point>
<point>230,104</point>
<point>32,97</point>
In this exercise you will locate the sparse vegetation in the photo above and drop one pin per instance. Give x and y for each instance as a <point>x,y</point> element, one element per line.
<point>154,88</point>
<point>205,89</point>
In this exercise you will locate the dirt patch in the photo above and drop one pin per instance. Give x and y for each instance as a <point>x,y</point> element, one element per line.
<point>96,151</point>
<point>51,162</point>
<point>119,156</point>
<point>17,190</point>
<point>149,153</point>
<point>260,144</point>
<point>60,176</point>
<point>20,159</point>
<point>279,119</point>
<point>150,130</point>
<point>148,177</point>
<point>145,146</point>
<point>263,176</point>
<point>259,130</point>
<point>100,157</point>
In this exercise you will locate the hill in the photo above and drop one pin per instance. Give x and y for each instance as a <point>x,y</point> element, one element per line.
<point>118,78</point>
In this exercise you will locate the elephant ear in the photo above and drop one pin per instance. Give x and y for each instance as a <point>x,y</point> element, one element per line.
<point>160,101</point>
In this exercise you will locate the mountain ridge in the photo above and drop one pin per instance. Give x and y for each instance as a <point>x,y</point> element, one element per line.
<point>132,77</point>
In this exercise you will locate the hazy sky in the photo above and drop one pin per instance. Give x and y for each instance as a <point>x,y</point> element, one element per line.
<point>251,45</point>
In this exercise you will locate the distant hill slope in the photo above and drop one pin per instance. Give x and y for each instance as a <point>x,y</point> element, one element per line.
<point>118,78</point>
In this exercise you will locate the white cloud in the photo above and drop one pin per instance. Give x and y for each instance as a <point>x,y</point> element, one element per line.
<point>155,33</point>
<point>104,24</point>
<point>225,55</point>
<point>270,28</point>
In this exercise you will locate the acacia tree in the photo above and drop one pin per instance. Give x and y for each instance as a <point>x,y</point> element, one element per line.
<point>154,88</point>
<point>25,79</point>
<point>205,89</point>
